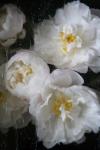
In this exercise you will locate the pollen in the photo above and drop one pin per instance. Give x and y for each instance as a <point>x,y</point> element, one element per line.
<point>20,72</point>
<point>70,38</point>
<point>59,101</point>
<point>66,40</point>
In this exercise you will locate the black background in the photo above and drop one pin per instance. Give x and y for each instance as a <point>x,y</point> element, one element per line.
<point>25,139</point>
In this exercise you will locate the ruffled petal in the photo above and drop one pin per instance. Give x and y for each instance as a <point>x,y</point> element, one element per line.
<point>73,13</point>
<point>64,78</point>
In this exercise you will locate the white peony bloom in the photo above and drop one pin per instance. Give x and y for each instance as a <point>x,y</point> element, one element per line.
<point>71,39</point>
<point>25,74</point>
<point>11,24</point>
<point>13,111</point>
<point>66,110</point>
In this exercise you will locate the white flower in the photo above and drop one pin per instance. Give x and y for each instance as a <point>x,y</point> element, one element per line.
<point>71,39</point>
<point>66,110</point>
<point>11,24</point>
<point>13,111</point>
<point>25,74</point>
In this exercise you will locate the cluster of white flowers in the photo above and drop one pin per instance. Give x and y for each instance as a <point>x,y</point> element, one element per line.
<point>58,103</point>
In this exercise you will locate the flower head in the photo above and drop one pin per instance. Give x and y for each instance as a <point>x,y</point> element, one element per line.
<point>70,39</point>
<point>12,20</point>
<point>25,74</point>
<point>66,110</point>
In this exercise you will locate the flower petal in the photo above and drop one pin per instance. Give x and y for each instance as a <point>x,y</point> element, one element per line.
<point>64,78</point>
<point>74,12</point>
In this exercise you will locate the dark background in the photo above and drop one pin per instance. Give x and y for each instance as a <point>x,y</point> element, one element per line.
<point>40,9</point>
<point>25,139</point>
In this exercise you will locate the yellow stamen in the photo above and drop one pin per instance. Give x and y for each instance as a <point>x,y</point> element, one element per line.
<point>61,100</point>
<point>70,38</point>
<point>66,39</point>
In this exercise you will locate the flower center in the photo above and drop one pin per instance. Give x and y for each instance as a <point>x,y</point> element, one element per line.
<point>19,73</point>
<point>66,40</point>
<point>61,101</point>
<point>2,97</point>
